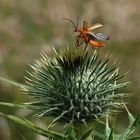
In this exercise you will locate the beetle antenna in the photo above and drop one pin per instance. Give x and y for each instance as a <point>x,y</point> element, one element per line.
<point>77,22</point>
<point>71,22</point>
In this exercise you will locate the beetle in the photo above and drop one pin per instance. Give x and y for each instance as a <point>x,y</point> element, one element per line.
<point>86,36</point>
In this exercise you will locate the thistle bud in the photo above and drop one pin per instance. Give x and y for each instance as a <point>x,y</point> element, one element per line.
<point>75,86</point>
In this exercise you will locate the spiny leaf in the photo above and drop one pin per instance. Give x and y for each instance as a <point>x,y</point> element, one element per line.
<point>111,136</point>
<point>134,138</point>
<point>17,105</point>
<point>107,128</point>
<point>129,129</point>
<point>33,127</point>
<point>58,118</point>
<point>86,134</point>
<point>12,82</point>
<point>99,134</point>
<point>70,132</point>
<point>136,123</point>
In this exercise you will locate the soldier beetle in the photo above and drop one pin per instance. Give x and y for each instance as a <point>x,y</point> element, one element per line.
<point>87,36</point>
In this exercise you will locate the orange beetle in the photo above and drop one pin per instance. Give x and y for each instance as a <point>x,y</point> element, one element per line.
<point>87,36</point>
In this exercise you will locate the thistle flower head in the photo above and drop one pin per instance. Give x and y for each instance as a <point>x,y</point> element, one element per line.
<point>75,86</point>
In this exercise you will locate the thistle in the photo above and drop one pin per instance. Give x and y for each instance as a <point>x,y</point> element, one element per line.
<point>75,86</point>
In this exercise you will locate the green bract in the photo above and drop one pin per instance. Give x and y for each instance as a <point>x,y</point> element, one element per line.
<point>75,86</point>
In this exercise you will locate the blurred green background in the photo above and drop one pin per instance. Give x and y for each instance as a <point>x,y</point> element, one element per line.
<point>28,27</point>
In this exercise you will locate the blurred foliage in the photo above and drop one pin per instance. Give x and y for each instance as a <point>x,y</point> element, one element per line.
<point>28,27</point>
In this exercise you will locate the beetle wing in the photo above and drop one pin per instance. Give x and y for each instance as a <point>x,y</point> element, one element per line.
<point>98,36</point>
<point>85,25</point>
<point>95,26</point>
<point>91,36</point>
<point>102,36</point>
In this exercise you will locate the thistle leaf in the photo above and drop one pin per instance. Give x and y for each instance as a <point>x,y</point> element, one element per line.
<point>26,123</point>
<point>86,134</point>
<point>12,82</point>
